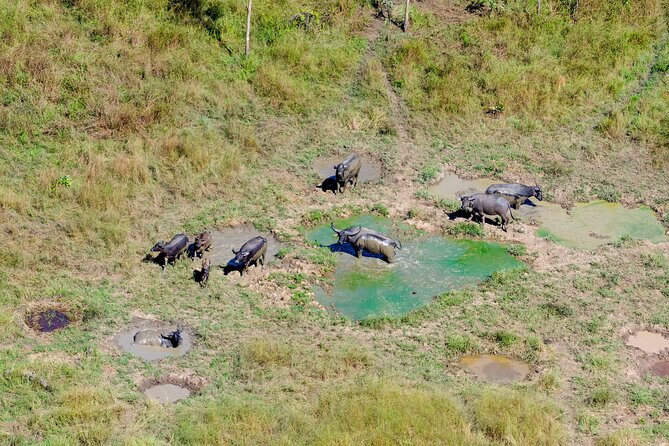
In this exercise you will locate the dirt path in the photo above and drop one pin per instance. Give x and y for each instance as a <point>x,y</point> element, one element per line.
<point>398,110</point>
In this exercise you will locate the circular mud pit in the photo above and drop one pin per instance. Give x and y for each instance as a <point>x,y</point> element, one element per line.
<point>223,242</point>
<point>152,341</point>
<point>46,321</point>
<point>324,167</point>
<point>166,393</point>
<point>495,368</point>
<point>660,368</point>
<point>648,342</point>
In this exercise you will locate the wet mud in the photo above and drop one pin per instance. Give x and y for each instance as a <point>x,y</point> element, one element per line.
<point>166,393</point>
<point>126,341</point>
<point>648,342</point>
<point>586,226</point>
<point>324,167</point>
<point>223,242</point>
<point>496,369</point>
<point>48,320</point>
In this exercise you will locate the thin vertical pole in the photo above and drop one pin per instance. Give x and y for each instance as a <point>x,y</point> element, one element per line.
<point>248,28</point>
<point>406,16</point>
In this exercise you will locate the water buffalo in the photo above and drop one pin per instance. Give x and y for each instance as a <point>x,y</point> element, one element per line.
<point>202,244</point>
<point>171,251</point>
<point>486,204</point>
<point>204,272</point>
<point>516,193</point>
<point>154,338</point>
<point>347,172</point>
<point>251,252</point>
<point>367,239</point>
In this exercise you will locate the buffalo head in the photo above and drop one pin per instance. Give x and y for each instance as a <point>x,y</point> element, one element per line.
<point>538,193</point>
<point>158,246</point>
<point>345,234</point>
<point>241,256</point>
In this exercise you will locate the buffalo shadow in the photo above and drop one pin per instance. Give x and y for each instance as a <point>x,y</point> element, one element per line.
<point>329,185</point>
<point>233,265</point>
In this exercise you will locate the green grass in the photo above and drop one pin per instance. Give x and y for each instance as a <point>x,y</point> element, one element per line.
<point>124,122</point>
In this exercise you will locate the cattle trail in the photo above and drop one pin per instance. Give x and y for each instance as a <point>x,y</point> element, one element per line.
<point>398,110</point>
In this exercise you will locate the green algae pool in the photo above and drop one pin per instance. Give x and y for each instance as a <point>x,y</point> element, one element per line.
<point>590,225</point>
<point>426,266</point>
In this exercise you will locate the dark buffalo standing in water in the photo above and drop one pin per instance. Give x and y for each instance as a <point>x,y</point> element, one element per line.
<point>154,338</point>
<point>515,194</point>
<point>367,239</point>
<point>202,244</point>
<point>347,172</point>
<point>481,205</point>
<point>171,251</point>
<point>251,252</point>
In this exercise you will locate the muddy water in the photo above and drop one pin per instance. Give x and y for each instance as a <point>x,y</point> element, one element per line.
<point>660,368</point>
<point>648,342</point>
<point>224,241</point>
<point>590,225</point>
<point>125,340</point>
<point>426,266</point>
<point>495,368</point>
<point>48,320</point>
<point>166,393</point>
<point>324,167</point>
<point>586,226</point>
<point>452,186</point>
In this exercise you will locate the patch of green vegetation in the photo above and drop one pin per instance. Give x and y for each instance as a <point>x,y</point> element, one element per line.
<point>380,209</point>
<point>601,396</point>
<point>517,249</point>
<point>466,229</point>
<point>457,343</point>
<point>505,339</point>
<point>540,419</point>
<point>422,194</point>
<point>428,173</point>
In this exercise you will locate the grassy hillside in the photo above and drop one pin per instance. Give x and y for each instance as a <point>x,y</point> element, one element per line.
<point>123,122</point>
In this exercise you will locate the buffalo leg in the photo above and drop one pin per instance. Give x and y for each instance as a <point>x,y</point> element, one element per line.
<point>358,253</point>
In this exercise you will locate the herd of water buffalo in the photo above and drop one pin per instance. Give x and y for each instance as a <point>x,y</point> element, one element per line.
<point>497,200</point>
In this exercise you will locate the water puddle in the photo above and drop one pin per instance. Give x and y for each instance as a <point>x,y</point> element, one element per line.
<point>648,342</point>
<point>426,266</point>
<point>224,241</point>
<point>660,368</point>
<point>153,341</point>
<point>166,393</point>
<point>593,224</point>
<point>495,368</point>
<point>46,321</point>
<point>452,186</point>
<point>324,167</point>
<point>586,226</point>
